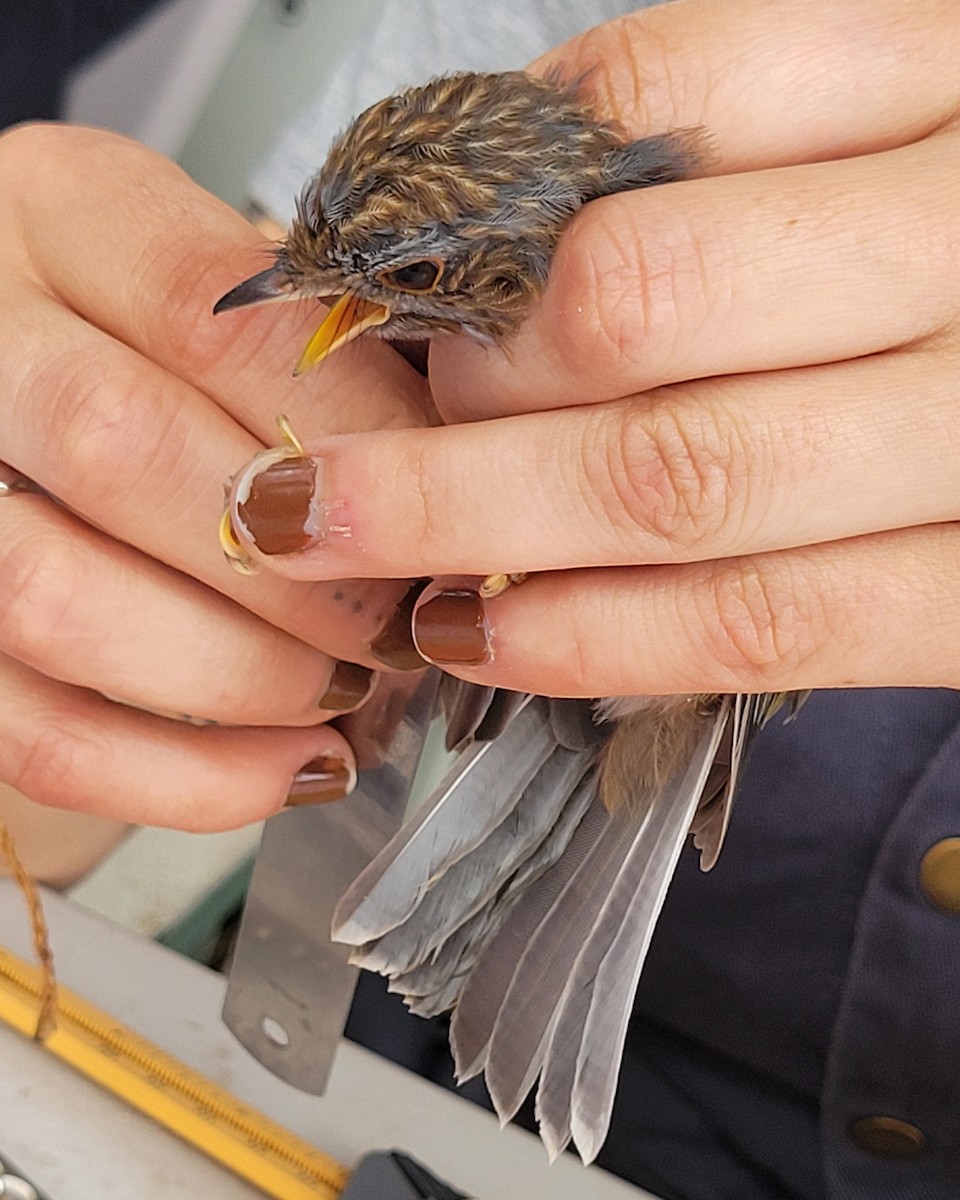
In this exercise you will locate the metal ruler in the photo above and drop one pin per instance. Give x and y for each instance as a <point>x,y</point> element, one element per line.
<point>182,1100</point>
<point>290,986</point>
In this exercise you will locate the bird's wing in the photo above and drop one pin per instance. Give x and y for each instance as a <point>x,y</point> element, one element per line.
<point>749,714</point>
<point>571,990</point>
<point>459,890</point>
<point>517,1042</point>
<point>446,828</point>
<point>516,898</point>
<point>482,996</point>
<point>475,713</point>
<point>710,822</point>
<point>437,984</point>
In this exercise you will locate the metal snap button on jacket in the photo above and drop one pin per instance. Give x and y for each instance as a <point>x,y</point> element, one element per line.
<point>940,874</point>
<point>887,1137</point>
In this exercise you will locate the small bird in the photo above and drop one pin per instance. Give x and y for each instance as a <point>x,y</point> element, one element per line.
<point>523,894</point>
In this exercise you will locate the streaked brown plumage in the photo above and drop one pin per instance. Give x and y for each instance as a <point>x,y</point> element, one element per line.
<point>525,894</point>
<point>478,173</point>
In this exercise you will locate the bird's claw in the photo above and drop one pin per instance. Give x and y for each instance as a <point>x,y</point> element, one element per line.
<point>497,584</point>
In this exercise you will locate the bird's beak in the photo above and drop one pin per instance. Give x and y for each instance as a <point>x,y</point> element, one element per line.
<point>270,285</point>
<point>348,318</point>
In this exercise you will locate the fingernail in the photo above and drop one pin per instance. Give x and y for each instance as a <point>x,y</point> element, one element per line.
<point>349,684</point>
<point>451,628</point>
<point>321,779</point>
<point>394,645</point>
<point>278,506</point>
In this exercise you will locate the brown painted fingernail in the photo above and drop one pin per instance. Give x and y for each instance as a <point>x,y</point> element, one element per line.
<point>280,511</point>
<point>321,779</point>
<point>451,628</point>
<point>349,684</point>
<point>394,645</point>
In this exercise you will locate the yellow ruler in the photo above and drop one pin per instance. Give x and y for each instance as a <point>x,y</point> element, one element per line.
<point>174,1095</point>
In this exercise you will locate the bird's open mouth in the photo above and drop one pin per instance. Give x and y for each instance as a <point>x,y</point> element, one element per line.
<point>350,315</point>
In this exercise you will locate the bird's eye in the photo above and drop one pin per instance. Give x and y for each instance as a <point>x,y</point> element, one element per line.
<point>420,276</point>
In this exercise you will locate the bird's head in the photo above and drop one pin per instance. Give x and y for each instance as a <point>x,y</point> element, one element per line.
<point>439,209</point>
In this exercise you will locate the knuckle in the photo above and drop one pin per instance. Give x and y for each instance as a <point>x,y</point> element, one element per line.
<point>608,52</point>
<point>61,763</point>
<point>43,579</point>
<point>635,71</point>
<point>602,264</point>
<point>761,626</point>
<point>110,426</point>
<point>188,275</point>
<point>675,471</point>
<point>646,280</point>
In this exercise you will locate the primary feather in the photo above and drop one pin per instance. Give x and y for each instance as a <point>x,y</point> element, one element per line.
<point>469,881</point>
<point>392,886</point>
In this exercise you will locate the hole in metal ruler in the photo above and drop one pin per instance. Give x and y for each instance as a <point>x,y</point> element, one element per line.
<point>274,1032</point>
<point>16,1188</point>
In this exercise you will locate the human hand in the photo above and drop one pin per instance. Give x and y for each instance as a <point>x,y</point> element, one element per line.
<point>746,478</point>
<point>124,398</point>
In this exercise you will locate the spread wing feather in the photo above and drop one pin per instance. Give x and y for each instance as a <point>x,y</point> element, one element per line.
<point>449,967</point>
<point>457,893</point>
<point>473,1020</point>
<point>446,829</point>
<point>609,967</point>
<point>516,899</point>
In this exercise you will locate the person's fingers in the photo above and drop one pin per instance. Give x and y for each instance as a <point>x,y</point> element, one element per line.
<point>144,255</point>
<point>86,610</point>
<point>142,454</point>
<point>748,272</point>
<point>647,286</point>
<point>775,81</point>
<point>71,748</point>
<point>705,470</point>
<point>109,404</point>
<point>832,615</point>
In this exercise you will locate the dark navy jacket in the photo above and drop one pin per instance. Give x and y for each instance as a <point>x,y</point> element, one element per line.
<point>808,982</point>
